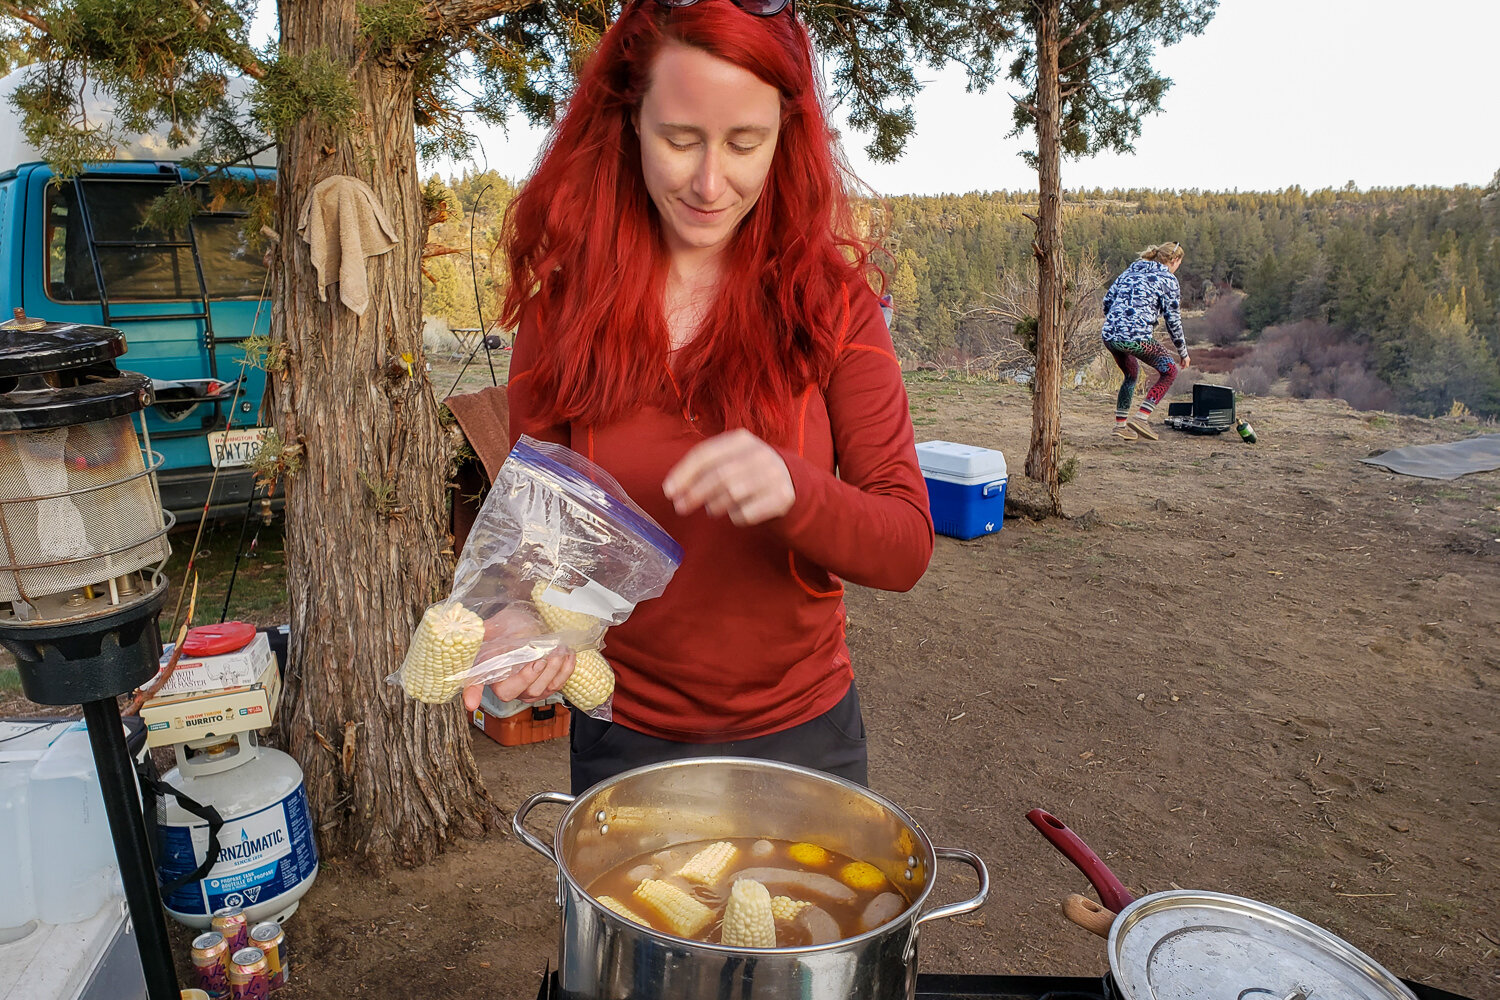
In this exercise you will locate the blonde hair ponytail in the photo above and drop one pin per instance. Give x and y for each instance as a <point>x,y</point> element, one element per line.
<point>1163,253</point>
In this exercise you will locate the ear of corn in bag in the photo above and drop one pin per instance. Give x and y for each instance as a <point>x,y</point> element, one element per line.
<point>560,619</point>
<point>442,650</point>
<point>593,680</point>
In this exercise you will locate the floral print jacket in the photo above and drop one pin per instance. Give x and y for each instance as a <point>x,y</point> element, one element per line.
<point>1145,292</point>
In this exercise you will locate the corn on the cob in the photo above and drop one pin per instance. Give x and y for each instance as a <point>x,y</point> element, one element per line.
<point>707,866</point>
<point>561,619</point>
<point>442,651</point>
<point>680,913</point>
<point>787,908</point>
<point>611,903</point>
<point>748,918</point>
<point>808,854</point>
<point>862,875</point>
<point>592,681</point>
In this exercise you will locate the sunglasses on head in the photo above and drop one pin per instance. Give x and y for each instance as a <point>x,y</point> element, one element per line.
<point>759,8</point>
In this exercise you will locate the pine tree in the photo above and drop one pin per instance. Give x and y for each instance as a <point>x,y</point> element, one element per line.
<point>1450,363</point>
<point>1086,65</point>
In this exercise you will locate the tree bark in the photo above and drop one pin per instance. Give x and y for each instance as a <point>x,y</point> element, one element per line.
<point>388,779</point>
<point>1046,400</point>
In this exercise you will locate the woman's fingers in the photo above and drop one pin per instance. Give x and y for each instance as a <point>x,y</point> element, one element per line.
<point>552,673</point>
<point>735,474</point>
<point>472,695</point>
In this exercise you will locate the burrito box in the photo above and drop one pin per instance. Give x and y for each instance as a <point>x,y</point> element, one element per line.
<point>181,717</point>
<point>240,668</point>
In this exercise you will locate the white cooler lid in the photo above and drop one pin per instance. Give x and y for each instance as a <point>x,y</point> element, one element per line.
<point>960,462</point>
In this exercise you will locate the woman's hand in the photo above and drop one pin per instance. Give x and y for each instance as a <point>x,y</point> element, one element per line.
<point>734,473</point>
<point>1186,361</point>
<point>515,626</point>
<point>530,682</point>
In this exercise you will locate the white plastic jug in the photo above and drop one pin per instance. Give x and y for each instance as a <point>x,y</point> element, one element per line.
<point>17,898</point>
<point>74,871</point>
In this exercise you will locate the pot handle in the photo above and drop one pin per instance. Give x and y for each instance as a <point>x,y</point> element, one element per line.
<point>1111,891</point>
<point>968,905</point>
<point>518,821</point>
<point>1088,914</point>
<point>952,909</point>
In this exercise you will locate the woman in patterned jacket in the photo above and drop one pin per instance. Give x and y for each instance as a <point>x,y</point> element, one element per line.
<point>1145,292</point>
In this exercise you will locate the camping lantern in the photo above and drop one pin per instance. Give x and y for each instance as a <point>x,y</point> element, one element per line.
<point>82,540</point>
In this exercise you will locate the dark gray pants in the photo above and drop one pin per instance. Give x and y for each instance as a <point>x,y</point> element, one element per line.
<point>833,742</point>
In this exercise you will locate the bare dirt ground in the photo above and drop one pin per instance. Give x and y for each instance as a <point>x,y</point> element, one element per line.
<point>1264,670</point>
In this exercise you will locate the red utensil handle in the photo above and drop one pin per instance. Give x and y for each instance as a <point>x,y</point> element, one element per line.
<point>1112,893</point>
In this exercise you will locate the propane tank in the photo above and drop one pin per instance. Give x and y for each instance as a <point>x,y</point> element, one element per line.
<point>1247,433</point>
<point>267,857</point>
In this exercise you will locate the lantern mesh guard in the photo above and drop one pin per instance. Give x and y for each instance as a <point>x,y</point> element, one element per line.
<point>78,506</point>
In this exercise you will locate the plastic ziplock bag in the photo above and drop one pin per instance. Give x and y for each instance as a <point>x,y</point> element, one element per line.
<point>558,554</point>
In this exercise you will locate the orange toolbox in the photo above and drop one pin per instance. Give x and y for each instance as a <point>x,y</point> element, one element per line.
<point>532,724</point>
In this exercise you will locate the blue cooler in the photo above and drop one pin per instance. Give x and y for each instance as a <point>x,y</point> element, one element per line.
<point>966,487</point>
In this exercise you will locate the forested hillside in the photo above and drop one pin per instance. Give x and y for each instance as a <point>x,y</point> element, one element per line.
<point>1387,297</point>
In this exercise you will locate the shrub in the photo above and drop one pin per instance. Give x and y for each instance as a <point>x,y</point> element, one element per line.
<point>1222,323</point>
<point>1252,380</point>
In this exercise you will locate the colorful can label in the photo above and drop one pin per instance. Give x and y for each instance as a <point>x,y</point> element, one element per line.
<point>271,939</point>
<point>262,855</point>
<point>230,921</point>
<point>211,960</point>
<point>249,977</point>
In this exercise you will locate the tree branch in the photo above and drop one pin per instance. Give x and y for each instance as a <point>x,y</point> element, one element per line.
<point>1113,42</point>
<point>453,17</point>
<point>12,10</point>
<point>239,58</point>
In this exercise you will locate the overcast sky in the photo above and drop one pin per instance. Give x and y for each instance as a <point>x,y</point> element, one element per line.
<point>1274,93</point>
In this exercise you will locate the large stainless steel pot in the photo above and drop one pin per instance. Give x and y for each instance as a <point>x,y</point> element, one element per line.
<point>605,957</point>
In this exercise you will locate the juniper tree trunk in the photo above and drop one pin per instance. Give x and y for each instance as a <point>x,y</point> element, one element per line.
<point>1046,400</point>
<point>388,779</point>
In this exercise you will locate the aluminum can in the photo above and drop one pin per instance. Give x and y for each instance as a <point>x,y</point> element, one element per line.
<point>211,960</point>
<point>230,921</point>
<point>271,939</point>
<point>249,975</point>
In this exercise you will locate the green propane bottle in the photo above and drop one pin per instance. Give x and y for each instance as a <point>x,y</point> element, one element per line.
<point>1246,431</point>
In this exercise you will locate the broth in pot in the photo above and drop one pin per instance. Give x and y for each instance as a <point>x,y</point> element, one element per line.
<point>748,892</point>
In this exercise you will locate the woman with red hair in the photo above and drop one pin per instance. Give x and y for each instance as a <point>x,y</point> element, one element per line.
<point>693,314</point>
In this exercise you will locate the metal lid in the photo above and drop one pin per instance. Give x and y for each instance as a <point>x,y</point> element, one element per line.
<point>31,404</point>
<point>26,350</point>
<point>1188,944</point>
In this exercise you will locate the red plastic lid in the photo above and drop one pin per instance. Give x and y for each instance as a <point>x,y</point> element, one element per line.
<point>216,640</point>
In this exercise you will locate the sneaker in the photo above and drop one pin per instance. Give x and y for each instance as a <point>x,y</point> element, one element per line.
<point>1124,433</point>
<point>1139,425</point>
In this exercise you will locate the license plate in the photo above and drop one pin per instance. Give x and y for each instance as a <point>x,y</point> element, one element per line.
<point>229,449</point>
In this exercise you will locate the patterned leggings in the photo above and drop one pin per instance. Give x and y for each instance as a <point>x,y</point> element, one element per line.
<point>1125,354</point>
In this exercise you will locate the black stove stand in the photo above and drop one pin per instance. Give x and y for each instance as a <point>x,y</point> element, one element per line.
<point>933,986</point>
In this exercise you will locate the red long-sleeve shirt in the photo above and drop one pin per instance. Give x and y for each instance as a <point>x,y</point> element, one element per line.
<point>748,638</point>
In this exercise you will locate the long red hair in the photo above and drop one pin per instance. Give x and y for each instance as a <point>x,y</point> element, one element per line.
<point>586,252</point>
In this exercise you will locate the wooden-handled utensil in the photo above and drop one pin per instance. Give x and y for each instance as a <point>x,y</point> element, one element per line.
<point>1088,914</point>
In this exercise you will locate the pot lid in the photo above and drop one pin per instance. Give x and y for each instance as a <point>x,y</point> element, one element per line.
<point>1189,944</point>
<point>29,346</point>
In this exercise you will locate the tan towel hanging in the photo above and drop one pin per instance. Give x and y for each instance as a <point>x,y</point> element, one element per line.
<point>344,224</point>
